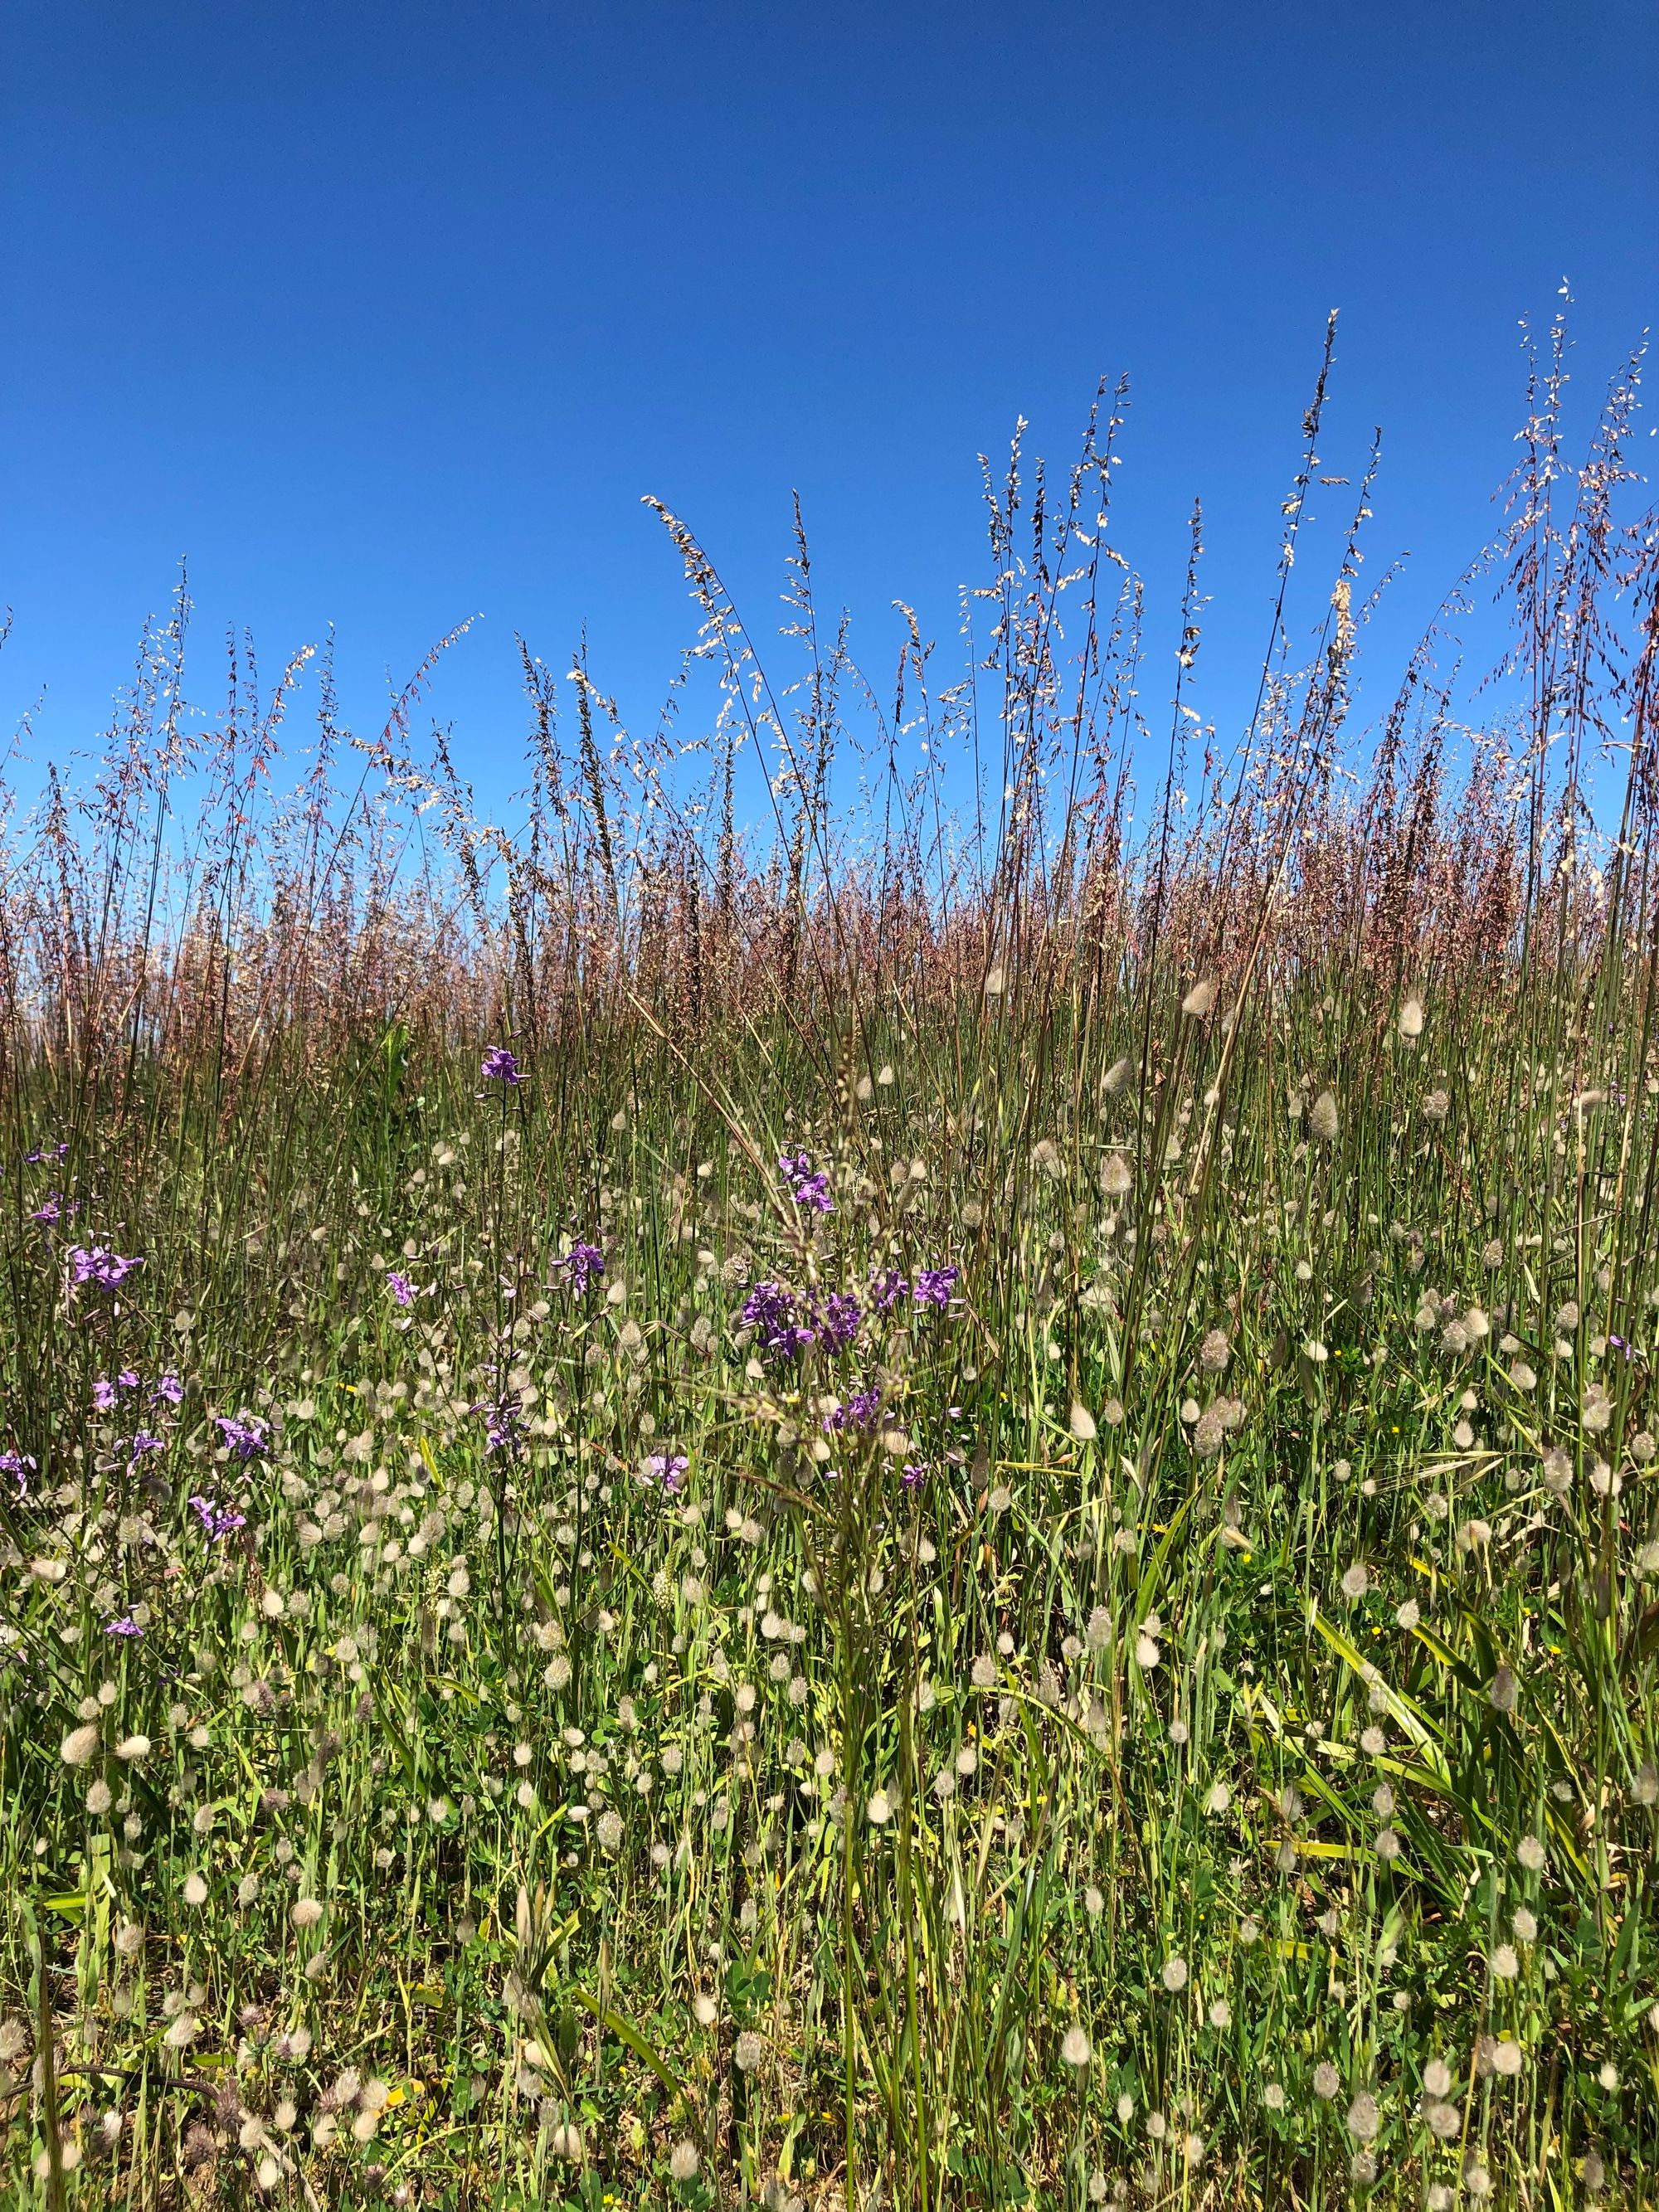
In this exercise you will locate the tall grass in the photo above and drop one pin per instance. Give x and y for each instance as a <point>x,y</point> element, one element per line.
<point>992,1543</point>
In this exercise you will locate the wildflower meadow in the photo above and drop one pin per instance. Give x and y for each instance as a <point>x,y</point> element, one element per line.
<point>945,1502</point>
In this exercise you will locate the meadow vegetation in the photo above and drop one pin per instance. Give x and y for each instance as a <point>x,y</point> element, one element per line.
<point>952,1506</point>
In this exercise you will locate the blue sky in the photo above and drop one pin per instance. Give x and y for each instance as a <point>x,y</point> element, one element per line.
<point>384,315</point>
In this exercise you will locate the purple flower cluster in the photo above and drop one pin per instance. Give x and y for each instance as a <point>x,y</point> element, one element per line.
<point>501,1066</point>
<point>668,1468</point>
<point>785,1321</point>
<point>861,1410</point>
<point>840,1320</point>
<point>108,1269</point>
<point>45,1152</point>
<point>582,1264</point>
<point>126,1626</point>
<point>108,1396</point>
<point>50,1212</point>
<point>808,1186</point>
<point>503,1423</point>
<point>400,1286</point>
<point>782,1322</point>
<point>247,1438</point>
<point>933,1287</point>
<point>20,1466</point>
<point>143,1443</point>
<point>105,1394</point>
<point>218,1520</point>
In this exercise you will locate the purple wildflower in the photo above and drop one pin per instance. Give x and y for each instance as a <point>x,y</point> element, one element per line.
<point>841,1320</point>
<point>915,1474</point>
<point>582,1264</point>
<point>45,1152</point>
<point>143,1443</point>
<point>126,1626</point>
<point>103,1394</point>
<point>218,1520</point>
<point>247,1438</point>
<point>887,1289</point>
<point>808,1186</point>
<point>935,1285</point>
<point>50,1210</point>
<point>100,1266</point>
<point>668,1468</point>
<point>400,1286</point>
<point>502,1423</point>
<point>168,1388</point>
<point>780,1321</point>
<point>861,1410</point>
<point>19,1465</point>
<point>501,1066</point>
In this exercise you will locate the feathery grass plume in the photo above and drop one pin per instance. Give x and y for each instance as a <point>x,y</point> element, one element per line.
<point>1323,1119</point>
<point>1117,1177</point>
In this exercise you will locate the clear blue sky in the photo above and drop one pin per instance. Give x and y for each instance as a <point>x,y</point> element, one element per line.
<point>384,315</point>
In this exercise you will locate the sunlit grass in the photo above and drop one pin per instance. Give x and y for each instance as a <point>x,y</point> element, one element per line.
<point>1211,1691</point>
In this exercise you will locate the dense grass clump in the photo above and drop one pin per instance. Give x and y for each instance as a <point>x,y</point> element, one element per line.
<point>963,1522</point>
